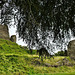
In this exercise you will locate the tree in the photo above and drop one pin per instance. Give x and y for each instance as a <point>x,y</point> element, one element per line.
<point>35,19</point>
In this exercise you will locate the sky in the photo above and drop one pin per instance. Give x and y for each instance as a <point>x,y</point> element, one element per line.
<point>12,31</point>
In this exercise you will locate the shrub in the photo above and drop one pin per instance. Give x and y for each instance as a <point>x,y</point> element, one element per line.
<point>61,53</point>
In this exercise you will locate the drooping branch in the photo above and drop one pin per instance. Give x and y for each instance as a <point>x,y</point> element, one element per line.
<point>36,17</point>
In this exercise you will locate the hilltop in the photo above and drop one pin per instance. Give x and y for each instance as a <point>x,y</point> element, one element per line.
<point>17,60</point>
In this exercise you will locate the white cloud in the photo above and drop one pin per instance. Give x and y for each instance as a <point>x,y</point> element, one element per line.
<point>12,31</point>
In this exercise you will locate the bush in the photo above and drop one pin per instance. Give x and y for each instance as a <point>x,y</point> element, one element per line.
<point>61,53</point>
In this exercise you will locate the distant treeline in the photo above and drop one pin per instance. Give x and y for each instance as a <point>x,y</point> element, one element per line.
<point>61,53</point>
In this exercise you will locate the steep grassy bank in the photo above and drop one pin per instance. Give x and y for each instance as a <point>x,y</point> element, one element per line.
<point>8,47</point>
<point>15,60</point>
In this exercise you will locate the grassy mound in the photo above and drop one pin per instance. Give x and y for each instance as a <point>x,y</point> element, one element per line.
<point>10,48</point>
<point>15,60</point>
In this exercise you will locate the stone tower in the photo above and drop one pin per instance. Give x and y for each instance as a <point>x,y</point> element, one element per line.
<point>4,34</point>
<point>71,49</point>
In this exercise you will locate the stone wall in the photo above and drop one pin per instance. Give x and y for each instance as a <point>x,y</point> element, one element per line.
<point>4,34</point>
<point>71,49</point>
<point>13,38</point>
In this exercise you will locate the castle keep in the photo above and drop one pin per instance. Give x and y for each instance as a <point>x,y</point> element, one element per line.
<point>4,33</point>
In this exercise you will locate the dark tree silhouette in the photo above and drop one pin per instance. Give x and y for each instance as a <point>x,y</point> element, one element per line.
<point>36,18</point>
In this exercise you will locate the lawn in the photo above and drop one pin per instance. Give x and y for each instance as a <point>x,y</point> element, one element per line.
<point>17,60</point>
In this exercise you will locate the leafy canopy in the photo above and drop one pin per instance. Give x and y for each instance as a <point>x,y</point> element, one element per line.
<point>40,20</point>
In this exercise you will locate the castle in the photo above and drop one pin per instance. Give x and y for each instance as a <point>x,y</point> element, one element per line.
<point>4,33</point>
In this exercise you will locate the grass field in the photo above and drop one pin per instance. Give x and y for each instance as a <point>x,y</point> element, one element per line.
<point>15,60</point>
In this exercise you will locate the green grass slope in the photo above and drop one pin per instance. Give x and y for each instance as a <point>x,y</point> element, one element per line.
<point>8,47</point>
<point>15,60</point>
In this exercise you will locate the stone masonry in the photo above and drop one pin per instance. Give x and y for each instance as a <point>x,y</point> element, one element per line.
<point>13,38</point>
<point>71,49</point>
<point>4,33</point>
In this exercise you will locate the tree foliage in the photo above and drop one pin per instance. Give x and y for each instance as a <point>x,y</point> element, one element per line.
<point>61,53</point>
<point>40,20</point>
